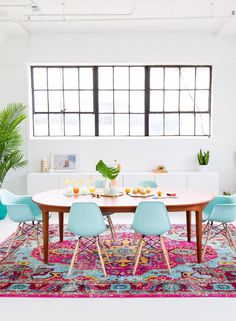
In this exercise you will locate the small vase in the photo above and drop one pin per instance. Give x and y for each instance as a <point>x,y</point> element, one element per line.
<point>106,186</point>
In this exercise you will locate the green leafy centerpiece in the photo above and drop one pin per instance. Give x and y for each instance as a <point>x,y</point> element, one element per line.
<point>110,174</point>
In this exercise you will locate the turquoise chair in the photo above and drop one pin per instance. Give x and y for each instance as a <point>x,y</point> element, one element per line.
<point>99,184</point>
<point>151,219</point>
<point>150,183</point>
<point>222,211</point>
<point>86,221</point>
<point>22,210</point>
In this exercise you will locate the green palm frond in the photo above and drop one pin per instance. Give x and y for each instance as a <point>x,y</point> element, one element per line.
<point>11,138</point>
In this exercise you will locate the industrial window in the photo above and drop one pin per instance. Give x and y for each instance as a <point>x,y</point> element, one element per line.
<point>121,100</point>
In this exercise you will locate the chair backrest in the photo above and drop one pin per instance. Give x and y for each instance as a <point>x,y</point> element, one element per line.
<point>147,183</point>
<point>99,183</point>
<point>86,219</point>
<point>219,199</point>
<point>151,218</point>
<point>18,208</point>
<point>223,213</point>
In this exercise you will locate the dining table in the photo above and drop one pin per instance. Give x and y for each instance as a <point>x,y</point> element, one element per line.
<point>183,200</point>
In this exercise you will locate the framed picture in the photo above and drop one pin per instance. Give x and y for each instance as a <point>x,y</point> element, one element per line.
<point>64,162</point>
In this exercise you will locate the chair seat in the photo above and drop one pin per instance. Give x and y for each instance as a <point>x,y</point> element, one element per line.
<point>205,216</point>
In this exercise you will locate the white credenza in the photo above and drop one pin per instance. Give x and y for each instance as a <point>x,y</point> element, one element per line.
<point>205,181</point>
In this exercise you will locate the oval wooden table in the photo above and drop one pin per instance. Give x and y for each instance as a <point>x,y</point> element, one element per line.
<point>186,200</point>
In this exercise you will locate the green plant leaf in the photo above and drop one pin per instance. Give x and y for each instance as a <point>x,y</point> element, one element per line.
<point>107,172</point>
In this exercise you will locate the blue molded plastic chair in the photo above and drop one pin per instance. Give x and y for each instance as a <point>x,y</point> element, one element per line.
<point>22,210</point>
<point>147,183</point>
<point>86,221</point>
<point>99,184</point>
<point>222,210</point>
<point>151,219</point>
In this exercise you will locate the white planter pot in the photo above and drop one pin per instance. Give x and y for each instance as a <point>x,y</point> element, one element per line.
<point>203,168</point>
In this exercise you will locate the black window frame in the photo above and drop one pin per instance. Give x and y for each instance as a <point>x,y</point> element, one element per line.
<point>146,90</point>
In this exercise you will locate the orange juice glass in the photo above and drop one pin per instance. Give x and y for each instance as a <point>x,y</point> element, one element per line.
<point>76,190</point>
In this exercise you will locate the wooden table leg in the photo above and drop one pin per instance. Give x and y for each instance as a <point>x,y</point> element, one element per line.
<point>188,220</point>
<point>45,235</point>
<point>199,235</point>
<point>61,225</point>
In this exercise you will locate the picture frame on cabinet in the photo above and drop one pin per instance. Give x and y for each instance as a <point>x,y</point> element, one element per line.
<point>64,162</point>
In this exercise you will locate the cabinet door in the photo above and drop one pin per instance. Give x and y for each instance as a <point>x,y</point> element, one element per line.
<point>37,183</point>
<point>208,182</point>
<point>171,180</point>
<point>134,179</point>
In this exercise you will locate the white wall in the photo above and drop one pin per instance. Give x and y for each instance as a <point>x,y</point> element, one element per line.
<point>147,48</point>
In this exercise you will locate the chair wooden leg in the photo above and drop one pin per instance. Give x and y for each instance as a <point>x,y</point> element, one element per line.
<point>76,251</point>
<point>165,253</point>
<point>207,239</point>
<point>12,240</point>
<point>231,238</point>
<point>37,239</point>
<point>137,254</point>
<point>205,228</point>
<point>100,257</point>
<point>104,249</point>
<point>111,227</point>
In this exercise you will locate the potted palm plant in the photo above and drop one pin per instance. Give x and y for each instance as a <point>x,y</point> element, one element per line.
<point>11,156</point>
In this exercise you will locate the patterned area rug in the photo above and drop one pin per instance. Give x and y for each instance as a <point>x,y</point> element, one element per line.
<point>23,274</point>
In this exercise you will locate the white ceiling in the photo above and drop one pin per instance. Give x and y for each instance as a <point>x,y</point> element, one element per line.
<point>24,17</point>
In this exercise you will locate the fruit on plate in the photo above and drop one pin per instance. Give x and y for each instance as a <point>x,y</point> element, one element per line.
<point>127,190</point>
<point>159,193</point>
<point>148,189</point>
<point>142,191</point>
<point>135,190</point>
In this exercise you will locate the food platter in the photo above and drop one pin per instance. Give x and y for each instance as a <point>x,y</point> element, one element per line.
<point>140,195</point>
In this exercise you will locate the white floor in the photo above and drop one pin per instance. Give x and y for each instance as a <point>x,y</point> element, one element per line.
<point>12,309</point>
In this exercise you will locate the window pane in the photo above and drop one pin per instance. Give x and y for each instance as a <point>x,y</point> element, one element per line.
<point>40,78</point>
<point>40,101</point>
<point>156,78</point>
<point>87,125</point>
<point>187,100</point>
<point>86,78</point>
<point>56,125</point>
<point>203,78</point>
<point>71,78</point>
<point>40,125</point>
<point>202,124</point>
<point>121,125</point>
<point>121,100</point>
<point>72,125</point>
<point>136,101</point>
<point>105,78</point>
<point>54,78</point>
<point>186,124</point>
<point>71,100</point>
<point>136,125</point>
<point>137,79</point>
<point>105,101</point>
<point>171,100</point>
<point>155,124</point>
<point>202,100</point>
<point>187,78</point>
<point>172,78</point>
<point>55,101</point>
<point>86,101</point>
<point>156,100</point>
<point>121,77</point>
<point>171,124</point>
<point>106,124</point>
